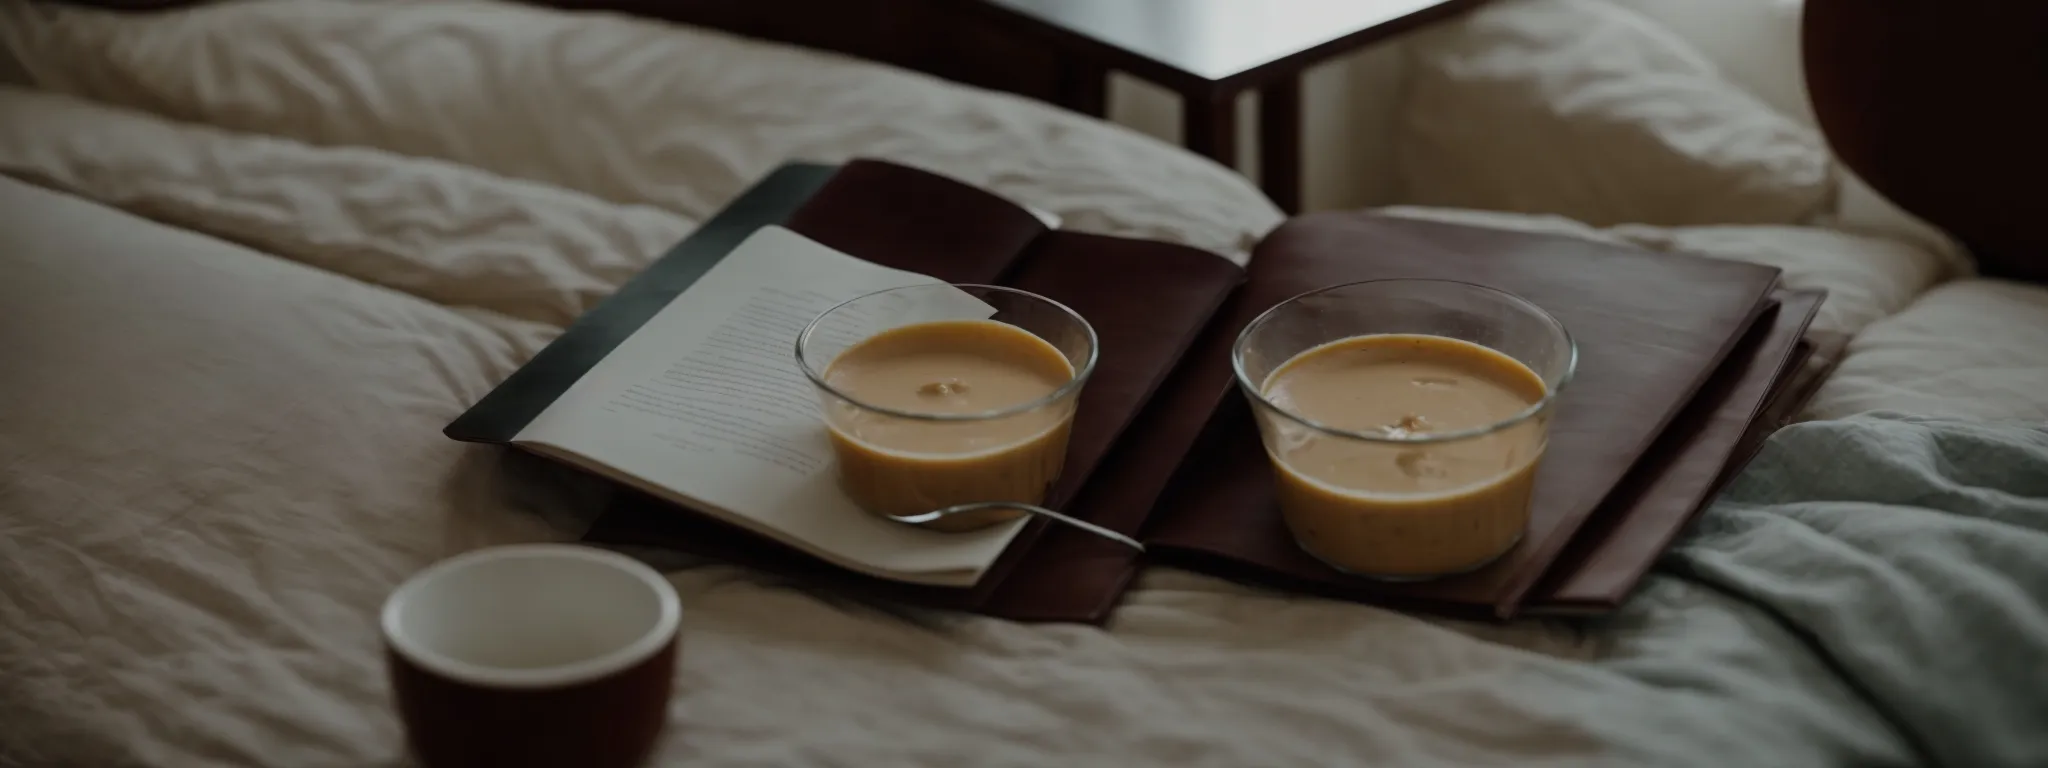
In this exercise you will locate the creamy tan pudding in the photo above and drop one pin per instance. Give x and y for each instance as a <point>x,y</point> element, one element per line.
<point>893,465</point>
<point>1405,509</point>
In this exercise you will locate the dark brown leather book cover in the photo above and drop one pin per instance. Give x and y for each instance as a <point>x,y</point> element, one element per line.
<point>1147,301</point>
<point>1650,328</point>
<point>1818,354</point>
<point>1675,480</point>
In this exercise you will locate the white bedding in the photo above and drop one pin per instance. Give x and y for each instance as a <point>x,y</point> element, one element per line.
<point>1969,349</point>
<point>257,254</point>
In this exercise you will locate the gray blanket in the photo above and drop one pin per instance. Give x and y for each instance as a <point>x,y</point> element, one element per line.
<point>1871,591</point>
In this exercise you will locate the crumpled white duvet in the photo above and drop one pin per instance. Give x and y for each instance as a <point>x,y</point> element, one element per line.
<point>257,254</point>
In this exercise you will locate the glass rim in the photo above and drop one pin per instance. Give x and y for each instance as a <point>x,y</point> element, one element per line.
<point>1080,377</point>
<point>1256,391</point>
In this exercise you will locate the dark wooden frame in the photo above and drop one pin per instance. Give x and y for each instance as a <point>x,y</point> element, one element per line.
<point>1209,123</point>
<point>951,39</point>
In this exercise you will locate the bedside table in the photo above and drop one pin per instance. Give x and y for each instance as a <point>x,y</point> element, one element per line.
<point>1210,51</point>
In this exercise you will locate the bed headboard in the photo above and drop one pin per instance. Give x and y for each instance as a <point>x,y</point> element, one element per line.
<point>930,36</point>
<point>1939,106</point>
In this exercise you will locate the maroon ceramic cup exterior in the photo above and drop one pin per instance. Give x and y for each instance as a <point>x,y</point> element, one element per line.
<point>611,722</point>
<point>533,655</point>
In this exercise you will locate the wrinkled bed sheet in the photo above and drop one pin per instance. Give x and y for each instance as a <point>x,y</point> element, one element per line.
<point>251,272</point>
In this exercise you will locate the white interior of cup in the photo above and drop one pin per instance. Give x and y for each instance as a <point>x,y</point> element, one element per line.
<point>532,615</point>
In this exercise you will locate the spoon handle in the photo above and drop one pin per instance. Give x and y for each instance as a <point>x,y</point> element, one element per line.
<point>1086,526</point>
<point>1031,508</point>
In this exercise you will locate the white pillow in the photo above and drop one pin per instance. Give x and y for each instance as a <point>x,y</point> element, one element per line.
<point>1754,44</point>
<point>1585,109</point>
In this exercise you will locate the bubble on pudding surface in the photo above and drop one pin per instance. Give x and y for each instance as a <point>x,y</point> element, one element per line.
<point>1435,382</point>
<point>943,388</point>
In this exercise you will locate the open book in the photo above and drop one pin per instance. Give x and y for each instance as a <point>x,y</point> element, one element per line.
<point>705,406</point>
<point>684,387</point>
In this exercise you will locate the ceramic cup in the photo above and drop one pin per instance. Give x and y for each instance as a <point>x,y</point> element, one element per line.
<point>532,655</point>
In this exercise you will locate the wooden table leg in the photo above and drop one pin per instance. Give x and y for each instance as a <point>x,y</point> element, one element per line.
<point>1084,88</point>
<point>1209,126</point>
<point>1280,143</point>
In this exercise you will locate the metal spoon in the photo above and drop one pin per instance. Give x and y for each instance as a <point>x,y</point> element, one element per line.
<point>921,518</point>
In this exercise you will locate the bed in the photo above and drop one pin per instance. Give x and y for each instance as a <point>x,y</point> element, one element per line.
<point>255,254</point>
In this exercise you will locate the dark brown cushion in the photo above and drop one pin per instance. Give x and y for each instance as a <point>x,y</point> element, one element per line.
<point>1942,105</point>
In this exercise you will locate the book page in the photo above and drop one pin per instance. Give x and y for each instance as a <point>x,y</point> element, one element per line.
<point>706,401</point>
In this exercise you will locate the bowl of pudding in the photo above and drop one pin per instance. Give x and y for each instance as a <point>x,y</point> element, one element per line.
<point>1404,420</point>
<point>939,395</point>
